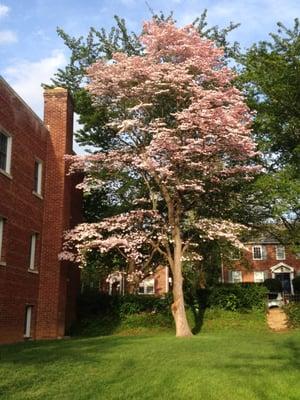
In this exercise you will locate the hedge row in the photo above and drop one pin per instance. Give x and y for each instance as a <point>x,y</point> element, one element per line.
<point>233,297</point>
<point>95,303</point>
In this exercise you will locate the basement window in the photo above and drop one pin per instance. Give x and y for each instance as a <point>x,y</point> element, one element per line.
<point>27,321</point>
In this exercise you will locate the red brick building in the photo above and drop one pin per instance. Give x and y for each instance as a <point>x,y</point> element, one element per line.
<point>157,283</point>
<point>38,201</point>
<point>264,258</point>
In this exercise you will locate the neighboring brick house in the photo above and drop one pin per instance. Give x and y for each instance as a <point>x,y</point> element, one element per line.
<point>38,201</point>
<point>157,283</point>
<point>264,258</point>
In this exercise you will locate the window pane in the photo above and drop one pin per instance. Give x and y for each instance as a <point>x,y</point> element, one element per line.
<point>259,276</point>
<point>257,253</point>
<point>37,177</point>
<point>141,289</point>
<point>150,289</point>
<point>27,325</point>
<point>32,251</point>
<point>3,151</point>
<point>280,253</point>
<point>236,276</point>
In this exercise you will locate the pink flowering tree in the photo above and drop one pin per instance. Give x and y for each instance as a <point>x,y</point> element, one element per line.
<point>182,131</point>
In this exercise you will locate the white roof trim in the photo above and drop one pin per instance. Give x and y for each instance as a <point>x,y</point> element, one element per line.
<point>279,265</point>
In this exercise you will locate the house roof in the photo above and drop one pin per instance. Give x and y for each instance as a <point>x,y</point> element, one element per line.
<point>263,240</point>
<point>15,94</point>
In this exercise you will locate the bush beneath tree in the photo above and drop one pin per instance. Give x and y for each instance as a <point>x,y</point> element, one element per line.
<point>273,285</point>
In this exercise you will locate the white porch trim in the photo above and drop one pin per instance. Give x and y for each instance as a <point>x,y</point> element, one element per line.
<point>284,268</point>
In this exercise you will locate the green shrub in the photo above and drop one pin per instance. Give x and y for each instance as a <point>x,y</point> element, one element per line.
<point>273,285</point>
<point>233,297</point>
<point>296,284</point>
<point>93,303</point>
<point>292,311</point>
<point>135,304</point>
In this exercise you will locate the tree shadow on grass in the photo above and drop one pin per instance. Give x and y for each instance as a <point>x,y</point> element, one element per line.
<point>81,350</point>
<point>96,325</point>
<point>198,314</point>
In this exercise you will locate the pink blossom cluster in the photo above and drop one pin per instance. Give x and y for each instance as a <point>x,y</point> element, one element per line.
<point>182,128</point>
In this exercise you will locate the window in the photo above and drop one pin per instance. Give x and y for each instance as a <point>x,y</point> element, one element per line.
<point>1,237</point>
<point>32,255</point>
<point>147,286</point>
<point>259,276</point>
<point>280,253</point>
<point>236,276</point>
<point>5,152</point>
<point>38,172</point>
<point>27,322</point>
<point>259,253</point>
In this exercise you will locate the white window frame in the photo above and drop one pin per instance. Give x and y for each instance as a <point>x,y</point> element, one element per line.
<point>28,320</point>
<point>147,283</point>
<point>38,189</point>
<point>32,254</point>
<point>8,153</point>
<point>261,252</point>
<point>236,276</point>
<point>278,249</point>
<point>259,276</point>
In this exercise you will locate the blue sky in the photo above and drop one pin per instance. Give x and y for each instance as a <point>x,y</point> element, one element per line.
<point>31,51</point>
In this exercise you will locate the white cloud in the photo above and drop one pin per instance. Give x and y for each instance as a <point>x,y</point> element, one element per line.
<point>26,77</point>
<point>4,10</point>
<point>7,37</point>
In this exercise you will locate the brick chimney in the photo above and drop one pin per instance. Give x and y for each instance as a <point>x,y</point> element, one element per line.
<point>55,275</point>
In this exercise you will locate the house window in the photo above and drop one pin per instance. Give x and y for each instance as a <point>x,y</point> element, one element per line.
<point>5,152</point>
<point>27,322</point>
<point>236,276</point>
<point>147,286</point>
<point>259,276</point>
<point>257,252</point>
<point>38,172</point>
<point>1,237</point>
<point>32,255</point>
<point>280,253</point>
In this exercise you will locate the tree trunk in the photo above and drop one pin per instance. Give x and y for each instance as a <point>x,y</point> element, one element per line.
<point>175,262</point>
<point>178,309</point>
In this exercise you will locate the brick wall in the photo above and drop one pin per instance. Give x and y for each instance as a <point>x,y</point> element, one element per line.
<point>55,276</point>
<point>23,213</point>
<point>248,266</point>
<point>52,288</point>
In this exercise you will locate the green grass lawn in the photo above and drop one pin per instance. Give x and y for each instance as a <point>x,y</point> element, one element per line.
<point>230,359</point>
